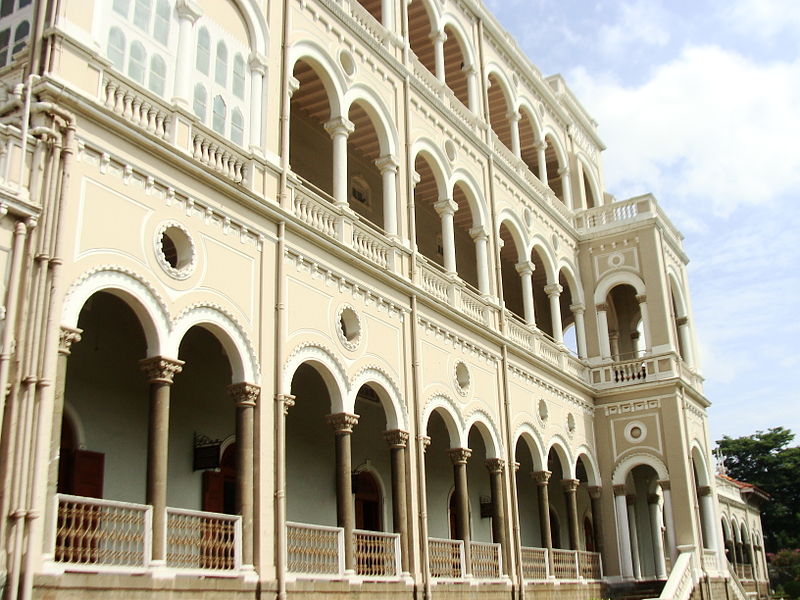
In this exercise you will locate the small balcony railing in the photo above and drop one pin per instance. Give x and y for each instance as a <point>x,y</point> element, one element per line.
<point>534,564</point>
<point>446,558</point>
<point>203,541</point>
<point>486,560</point>
<point>377,554</point>
<point>565,564</point>
<point>314,550</point>
<point>590,565</point>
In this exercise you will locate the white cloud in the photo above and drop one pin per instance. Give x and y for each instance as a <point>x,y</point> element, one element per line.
<point>709,126</point>
<point>639,22</point>
<point>763,19</point>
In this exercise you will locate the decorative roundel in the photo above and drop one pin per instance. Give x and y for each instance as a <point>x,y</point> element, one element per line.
<point>616,259</point>
<point>635,432</point>
<point>348,327</point>
<point>543,411</point>
<point>174,250</point>
<point>570,423</point>
<point>348,63</point>
<point>450,150</point>
<point>462,378</point>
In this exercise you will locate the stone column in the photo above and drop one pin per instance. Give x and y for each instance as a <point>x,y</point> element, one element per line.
<point>343,424</point>
<point>623,532</point>
<point>553,291</point>
<point>513,123</point>
<point>398,441</point>
<point>566,188</point>
<point>602,330</point>
<point>542,478</point>
<point>245,395</point>
<point>581,186</point>
<point>630,500</point>
<point>339,129</point>
<point>525,270</point>
<point>669,524</point>
<point>496,467</point>
<point>658,543</point>
<point>481,239</point>
<point>446,208</point>
<point>438,38</point>
<point>570,487</point>
<point>541,158</point>
<point>459,458</point>
<point>188,12</point>
<point>613,341</point>
<point>580,328</point>
<point>707,518</point>
<point>258,100</point>
<point>472,88</point>
<point>388,167</point>
<point>686,339</point>
<point>648,340</point>
<point>159,371</point>
<point>595,492</point>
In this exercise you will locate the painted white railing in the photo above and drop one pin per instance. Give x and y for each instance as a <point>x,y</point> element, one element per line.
<point>425,77</point>
<point>616,212</point>
<point>315,213</point>
<point>590,564</point>
<point>446,558</point>
<point>314,550</point>
<point>535,565</point>
<point>369,23</point>
<point>203,541</point>
<point>744,572</point>
<point>217,154</point>
<point>709,561</point>
<point>486,560</point>
<point>370,246</point>
<point>377,553</point>
<point>433,280</point>
<point>645,369</point>
<point>564,563</point>
<point>136,105</point>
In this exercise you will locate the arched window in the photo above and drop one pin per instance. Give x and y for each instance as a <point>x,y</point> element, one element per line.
<point>203,50</point>
<point>141,14</point>
<point>6,8</point>
<point>218,120</point>
<point>158,75</point>
<point>137,62</point>
<point>21,36</point>
<point>200,101</point>
<point>122,7</point>
<point>116,48</point>
<point>161,22</point>
<point>238,76</point>
<point>221,64</point>
<point>237,127</point>
<point>5,37</point>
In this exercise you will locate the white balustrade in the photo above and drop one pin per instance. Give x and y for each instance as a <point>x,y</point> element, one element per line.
<point>446,558</point>
<point>314,550</point>
<point>534,563</point>
<point>203,541</point>
<point>486,560</point>
<point>432,280</point>
<point>564,563</point>
<point>370,245</point>
<point>377,553</point>
<point>217,155</point>
<point>136,105</point>
<point>590,565</point>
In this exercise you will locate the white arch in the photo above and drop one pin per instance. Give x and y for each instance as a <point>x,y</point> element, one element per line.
<point>535,445</point>
<point>677,293</point>
<point>387,392</point>
<point>590,464</point>
<point>525,105</point>
<point>629,462</point>
<point>574,282</point>
<point>450,415</point>
<point>448,20</point>
<point>257,28</point>
<point>471,190</point>
<point>515,226</point>
<point>326,365</point>
<point>431,154</point>
<point>241,355</point>
<point>140,296</point>
<point>483,423</point>
<point>326,69</point>
<point>588,172</point>
<point>703,474</point>
<point>505,85</point>
<point>538,242</point>
<point>551,137</point>
<point>375,108</point>
<point>434,13</point>
<point>614,279</point>
<point>560,445</point>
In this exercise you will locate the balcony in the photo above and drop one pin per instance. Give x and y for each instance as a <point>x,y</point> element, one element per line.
<point>644,369</point>
<point>541,564</point>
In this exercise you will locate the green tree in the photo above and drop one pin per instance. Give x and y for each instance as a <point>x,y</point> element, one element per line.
<point>767,460</point>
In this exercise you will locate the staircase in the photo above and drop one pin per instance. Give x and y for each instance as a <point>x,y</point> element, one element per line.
<point>634,590</point>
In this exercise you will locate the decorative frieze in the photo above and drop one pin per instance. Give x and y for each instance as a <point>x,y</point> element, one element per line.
<point>631,406</point>
<point>520,374</point>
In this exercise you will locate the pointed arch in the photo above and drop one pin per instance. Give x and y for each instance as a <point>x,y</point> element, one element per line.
<point>488,432</point>
<point>387,392</point>
<point>328,367</point>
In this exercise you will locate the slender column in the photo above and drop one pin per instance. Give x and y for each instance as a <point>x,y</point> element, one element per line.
<point>658,540</point>
<point>542,478</point>
<point>541,158</point>
<point>613,340</point>
<point>581,187</point>
<point>602,330</point>
<point>459,458</point>
<point>513,122</point>
<point>553,291</point>
<point>595,492</point>
<point>669,524</point>
<point>648,340</point>
<point>708,520</point>
<point>472,88</point>
<point>630,500</point>
<point>339,129</point>
<point>188,12</point>
<point>159,371</point>
<point>446,208</point>
<point>283,402</point>
<point>438,38</point>
<point>525,270</point>
<point>623,532</point>
<point>566,188</point>
<point>580,328</point>
<point>686,339</point>
<point>343,424</point>
<point>398,441</point>
<point>481,239</point>
<point>570,487</point>
<point>496,467</point>
<point>245,395</point>
<point>258,101</point>
<point>388,167</point>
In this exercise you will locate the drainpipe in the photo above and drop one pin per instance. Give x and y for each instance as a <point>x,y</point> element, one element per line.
<point>281,397</point>
<point>285,109</point>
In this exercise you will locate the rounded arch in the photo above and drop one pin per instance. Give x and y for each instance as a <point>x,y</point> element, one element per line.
<point>387,392</point>
<point>700,464</point>
<point>483,423</point>
<point>568,269</point>
<point>561,448</point>
<point>323,361</point>
<point>463,39</point>
<point>325,68</point>
<point>493,69</point>
<point>430,153</point>
<point>677,293</point>
<point>434,14</point>
<point>377,112</point>
<point>726,530</point>
<point>256,24</point>
<point>72,415</point>
<point>589,464</point>
<point>551,138</point>
<point>533,441</point>
<point>139,295</point>
<point>452,420</point>
<point>737,532</point>
<point>627,463</point>
<point>614,279</point>
<point>242,357</point>
<point>524,105</point>
<point>516,228</point>
<point>542,247</point>
<point>588,172</point>
<point>465,180</point>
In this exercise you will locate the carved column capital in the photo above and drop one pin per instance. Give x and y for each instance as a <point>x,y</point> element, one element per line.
<point>287,400</point>
<point>619,490</point>
<point>577,309</point>
<point>553,289</point>
<point>541,478</point>
<point>459,456</point>
<point>258,63</point>
<point>66,337</point>
<point>244,394</point>
<point>159,369</point>
<point>396,438</point>
<point>516,466</point>
<point>495,465</point>
<point>339,126</point>
<point>664,483</point>
<point>426,442</point>
<point>601,307</point>
<point>342,422</point>
<point>387,163</point>
<point>570,486</point>
<point>525,267</point>
<point>445,206</point>
<point>513,116</point>
<point>595,491</point>
<point>188,10</point>
<point>479,233</point>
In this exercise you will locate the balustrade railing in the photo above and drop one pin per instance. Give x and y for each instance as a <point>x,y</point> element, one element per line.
<point>315,213</point>
<point>368,22</point>
<point>137,106</point>
<point>590,564</point>
<point>485,559</point>
<point>203,541</point>
<point>446,558</point>
<point>564,563</point>
<point>217,155</point>
<point>425,77</point>
<point>370,245</point>
<point>377,553</point>
<point>315,550</point>
<point>518,331</point>
<point>616,212</point>
<point>534,563</point>
<point>433,280</point>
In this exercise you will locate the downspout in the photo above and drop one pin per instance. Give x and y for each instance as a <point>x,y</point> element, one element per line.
<point>285,109</point>
<point>37,42</point>
<point>280,415</point>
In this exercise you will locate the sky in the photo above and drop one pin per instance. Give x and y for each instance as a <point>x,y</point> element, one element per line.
<point>698,103</point>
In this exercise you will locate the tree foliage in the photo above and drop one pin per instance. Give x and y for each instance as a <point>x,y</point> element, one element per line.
<point>767,460</point>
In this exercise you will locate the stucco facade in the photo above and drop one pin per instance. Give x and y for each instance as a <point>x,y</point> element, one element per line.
<point>313,298</point>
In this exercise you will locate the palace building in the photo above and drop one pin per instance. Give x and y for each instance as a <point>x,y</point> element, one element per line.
<point>316,298</point>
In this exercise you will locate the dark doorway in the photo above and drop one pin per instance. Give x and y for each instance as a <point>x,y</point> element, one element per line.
<point>368,502</point>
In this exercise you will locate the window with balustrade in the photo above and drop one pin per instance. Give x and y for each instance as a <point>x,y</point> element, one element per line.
<point>15,28</point>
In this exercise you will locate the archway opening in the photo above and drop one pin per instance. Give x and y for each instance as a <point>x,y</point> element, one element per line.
<point>455,75</point>
<point>554,166</point>
<point>528,142</point>
<point>624,318</point>
<point>480,494</point>
<point>420,30</point>
<point>541,302</point>
<point>463,221</point>
<point>499,109</point>
<point>512,282</point>
<point>439,480</point>
<point>428,223</point>
<point>558,504</point>
<point>364,177</point>
<point>527,497</point>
